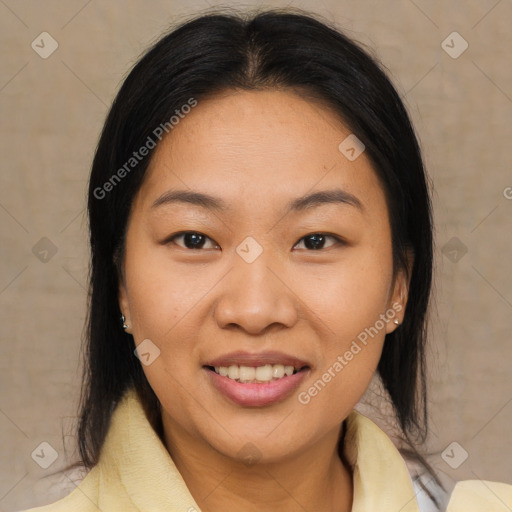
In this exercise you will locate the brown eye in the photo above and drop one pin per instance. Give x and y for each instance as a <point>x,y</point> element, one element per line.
<point>316,241</point>
<point>191,240</point>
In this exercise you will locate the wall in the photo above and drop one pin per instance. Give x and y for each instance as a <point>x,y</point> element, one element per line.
<point>52,111</point>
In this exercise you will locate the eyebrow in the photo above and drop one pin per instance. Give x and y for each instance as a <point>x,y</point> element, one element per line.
<point>315,199</point>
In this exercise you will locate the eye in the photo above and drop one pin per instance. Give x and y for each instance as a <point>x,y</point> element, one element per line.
<point>316,241</point>
<point>195,240</point>
<point>191,240</point>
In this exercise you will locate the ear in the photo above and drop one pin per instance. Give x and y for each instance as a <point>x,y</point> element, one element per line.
<point>400,293</point>
<point>124,305</point>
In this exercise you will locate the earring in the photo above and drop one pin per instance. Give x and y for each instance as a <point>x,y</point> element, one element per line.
<point>123,319</point>
<point>396,321</point>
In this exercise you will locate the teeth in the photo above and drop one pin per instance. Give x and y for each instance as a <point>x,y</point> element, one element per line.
<point>288,370</point>
<point>233,372</point>
<point>266,373</point>
<point>247,373</point>
<point>278,371</point>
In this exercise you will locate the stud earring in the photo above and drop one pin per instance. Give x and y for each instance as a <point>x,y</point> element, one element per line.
<point>123,319</point>
<point>397,322</point>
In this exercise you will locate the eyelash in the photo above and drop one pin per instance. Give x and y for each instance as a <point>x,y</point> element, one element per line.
<point>338,240</point>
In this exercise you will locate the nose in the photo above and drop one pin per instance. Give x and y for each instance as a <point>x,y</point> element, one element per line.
<point>255,297</point>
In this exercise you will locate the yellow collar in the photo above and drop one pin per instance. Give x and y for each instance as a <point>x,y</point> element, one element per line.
<point>148,475</point>
<point>136,472</point>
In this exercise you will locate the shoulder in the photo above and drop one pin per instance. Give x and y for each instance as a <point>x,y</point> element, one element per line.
<point>478,495</point>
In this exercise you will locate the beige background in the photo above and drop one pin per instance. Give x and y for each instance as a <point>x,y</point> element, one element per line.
<point>52,112</point>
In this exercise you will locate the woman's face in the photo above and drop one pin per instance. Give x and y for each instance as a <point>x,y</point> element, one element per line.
<point>252,286</point>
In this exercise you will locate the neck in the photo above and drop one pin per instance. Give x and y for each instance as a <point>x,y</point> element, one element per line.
<point>315,479</point>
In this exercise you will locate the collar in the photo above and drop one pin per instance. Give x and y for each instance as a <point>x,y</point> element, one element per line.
<point>134,455</point>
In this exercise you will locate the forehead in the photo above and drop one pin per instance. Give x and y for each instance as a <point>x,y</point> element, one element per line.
<point>252,147</point>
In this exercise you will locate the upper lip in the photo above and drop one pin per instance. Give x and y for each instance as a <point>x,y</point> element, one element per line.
<point>257,359</point>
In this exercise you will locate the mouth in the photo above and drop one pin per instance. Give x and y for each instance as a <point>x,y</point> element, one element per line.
<point>253,380</point>
<point>256,374</point>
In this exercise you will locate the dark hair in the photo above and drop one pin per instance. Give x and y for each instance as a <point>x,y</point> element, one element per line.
<point>211,54</point>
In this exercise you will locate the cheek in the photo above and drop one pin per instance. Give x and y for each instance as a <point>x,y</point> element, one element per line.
<point>349,296</point>
<point>350,352</point>
<point>161,292</point>
<point>163,306</point>
<point>161,299</point>
<point>350,302</point>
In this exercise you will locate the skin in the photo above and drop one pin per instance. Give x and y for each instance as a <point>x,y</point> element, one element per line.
<point>257,150</point>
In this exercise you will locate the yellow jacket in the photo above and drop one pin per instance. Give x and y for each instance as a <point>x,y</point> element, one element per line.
<point>136,474</point>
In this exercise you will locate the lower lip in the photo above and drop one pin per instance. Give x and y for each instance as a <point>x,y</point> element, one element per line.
<point>254,394</point>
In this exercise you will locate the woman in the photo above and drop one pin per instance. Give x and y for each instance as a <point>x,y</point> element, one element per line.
<point>261,247</point>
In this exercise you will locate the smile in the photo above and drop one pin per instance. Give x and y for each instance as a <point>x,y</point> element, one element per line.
<point>258,374</point>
